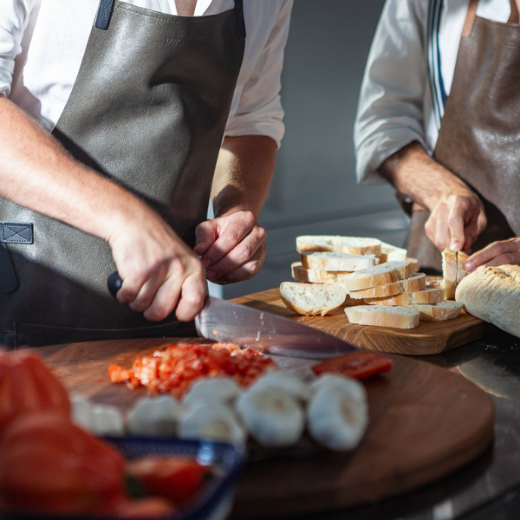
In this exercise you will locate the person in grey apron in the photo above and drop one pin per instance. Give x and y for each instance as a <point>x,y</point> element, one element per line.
<point>147,111</point>
<point>476,155</point>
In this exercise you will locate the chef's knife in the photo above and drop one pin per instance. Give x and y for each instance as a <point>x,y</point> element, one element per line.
<point>228,322</point>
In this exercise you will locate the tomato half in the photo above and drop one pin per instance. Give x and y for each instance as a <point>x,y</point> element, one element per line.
<point>358,365</point>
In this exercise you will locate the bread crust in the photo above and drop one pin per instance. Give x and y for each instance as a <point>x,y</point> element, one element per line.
<point>381,316</point>
<point>427,296</point>
<point>382,274</point>
<point>493,295</point>
<point>413,284</point>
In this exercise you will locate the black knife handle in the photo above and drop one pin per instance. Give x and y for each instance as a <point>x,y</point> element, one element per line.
<point>114,283</point>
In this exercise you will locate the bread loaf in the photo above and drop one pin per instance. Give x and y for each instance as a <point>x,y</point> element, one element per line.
<point>338,244</point>
<point>301,274</point>
<point>382,316</point>
<point>337,261</point>
<point>430,296</point>
<point>415,283</point>
<point>493,295</point>
<point>383,274</point>
<point>447,310</point>
<point>312,299</point>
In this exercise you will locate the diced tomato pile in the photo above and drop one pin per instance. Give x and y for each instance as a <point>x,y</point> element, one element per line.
<point>174,369</point>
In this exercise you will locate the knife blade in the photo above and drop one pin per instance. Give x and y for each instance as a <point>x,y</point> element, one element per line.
<point>228,322</point>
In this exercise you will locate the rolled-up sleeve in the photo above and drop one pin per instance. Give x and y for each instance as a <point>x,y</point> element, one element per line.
<point>14,16</point>
<point>259,110</point>
<point>390,113</point>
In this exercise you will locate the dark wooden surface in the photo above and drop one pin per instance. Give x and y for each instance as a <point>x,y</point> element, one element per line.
<point>425,422</point>
<point>428,338</point>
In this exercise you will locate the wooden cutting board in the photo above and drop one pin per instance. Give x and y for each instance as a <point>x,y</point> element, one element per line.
<point>427,339</point>
<point>425,422</point>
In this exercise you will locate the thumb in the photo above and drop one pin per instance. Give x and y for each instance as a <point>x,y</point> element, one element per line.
<point>205,236</point>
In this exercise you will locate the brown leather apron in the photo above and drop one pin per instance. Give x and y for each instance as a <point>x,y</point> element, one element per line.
<point>148,110</point>
<point>479,138</point>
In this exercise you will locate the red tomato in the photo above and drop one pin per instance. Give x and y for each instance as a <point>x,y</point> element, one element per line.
<point>27,385</point>
<point>175,478</point>
<point>49,464</point>
<point>144,508</point>
<point>358,365</point>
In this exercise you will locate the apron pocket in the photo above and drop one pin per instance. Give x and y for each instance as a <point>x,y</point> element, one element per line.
<point>28,334</point>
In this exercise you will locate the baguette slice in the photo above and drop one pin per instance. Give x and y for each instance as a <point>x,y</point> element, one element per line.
<point>435,282</point>
<point>427,296</point>
<point>390,253</point>
<point>337,261</point>
<point>378,275</point>
<point>461,272</point>
<point>413,284</point>
<point>449,272</point>
<point>382,316</point>
<point>447,310</point>
<point>414,263</point>
<point>493,294</point>
<point>312,299</point>
<point>301,274</point>
<point>338,244</point>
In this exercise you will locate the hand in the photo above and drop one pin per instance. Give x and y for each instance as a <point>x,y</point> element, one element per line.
<point>158,270</point>
<point>232,247</point>
<point>456,221</point>
<point>497,253</point>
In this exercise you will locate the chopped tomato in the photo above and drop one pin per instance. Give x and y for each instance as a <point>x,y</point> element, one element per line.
<point>177,479</point>
<point>144,508</point>
<point>358,365</point>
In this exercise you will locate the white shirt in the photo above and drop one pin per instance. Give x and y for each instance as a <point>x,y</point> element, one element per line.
<point>42,43</point>
<point>409,76</point>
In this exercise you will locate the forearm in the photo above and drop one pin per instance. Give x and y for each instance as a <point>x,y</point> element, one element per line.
<point>415,174</point>
<point>243,174</point>
<point>36,172</point>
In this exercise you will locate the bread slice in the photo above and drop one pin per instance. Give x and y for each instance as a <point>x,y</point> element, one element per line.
<point>338,244</point>
<point>461,272</point>
<point>430,296</point>
<point>414,264</point>
<point>312,299</point>
<point>382,274</point>
<point>447,310</point>
<point>449,273</point>
<point>382,316</point>
<point>337,261</point>
<point>435,282</point>
<point>301,274</point>
<point>390,253</point>
<point>413,284</point>
<point>493,294</point>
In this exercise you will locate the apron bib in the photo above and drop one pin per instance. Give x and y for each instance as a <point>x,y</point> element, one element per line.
<point>479,139</point>
<point>148,110</point>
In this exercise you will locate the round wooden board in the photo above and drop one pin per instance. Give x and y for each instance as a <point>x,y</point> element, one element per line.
<point>425,422</point>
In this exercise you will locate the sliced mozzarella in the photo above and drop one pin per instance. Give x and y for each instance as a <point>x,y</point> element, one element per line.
<point>155,416</point>
<point>348,386</point>
<point>212,390</point>
<point>272,416</point>
<point>336,419</point>
<point>81,411</point>
<point>290,384</point>
<point>106,420</point>
<point>211,421</point>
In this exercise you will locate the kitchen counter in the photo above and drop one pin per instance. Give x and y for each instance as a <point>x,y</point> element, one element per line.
<point>489,488</point>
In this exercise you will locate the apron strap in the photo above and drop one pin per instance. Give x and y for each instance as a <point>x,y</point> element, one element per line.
<point>106,7</point>
<point>470,19</point>
<point>515,17</point>
<point>104,14</point>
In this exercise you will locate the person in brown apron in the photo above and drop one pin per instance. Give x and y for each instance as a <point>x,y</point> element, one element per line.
<point>148,112</point>
<point>478,142</point>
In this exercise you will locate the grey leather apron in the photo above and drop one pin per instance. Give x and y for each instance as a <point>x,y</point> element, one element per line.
<point>479,139</point>
<point>148,110</point>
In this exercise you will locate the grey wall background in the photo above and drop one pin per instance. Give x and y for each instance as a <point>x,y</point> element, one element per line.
<point>314,190</point>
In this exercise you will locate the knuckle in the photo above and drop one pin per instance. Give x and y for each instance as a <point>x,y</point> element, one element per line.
<point>249,218</point>
<point>262,233</point>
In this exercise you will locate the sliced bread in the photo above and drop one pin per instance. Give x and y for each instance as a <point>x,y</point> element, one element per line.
<point>412,284</point>
<point>301,274</point>
<point>449,273</point>
<point>414,264</point>
<point>337,261</point>
<point>493,294</point>
<point>390,253</point>
<point>430,296</point>
<point>312,299</point>
<point>383,316</point>
<point>461,272</point>
<point>382,274</point>
<point>338,244</point>
<point>447,310</point>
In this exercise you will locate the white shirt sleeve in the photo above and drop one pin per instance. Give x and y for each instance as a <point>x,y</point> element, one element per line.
<point>259,110</point>
<point>390,112</point>
<point>14,16</point>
